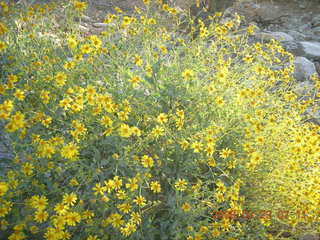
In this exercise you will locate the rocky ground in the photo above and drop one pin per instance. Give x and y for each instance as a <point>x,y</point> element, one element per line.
<point>295,22</point>
<point>297,25</point>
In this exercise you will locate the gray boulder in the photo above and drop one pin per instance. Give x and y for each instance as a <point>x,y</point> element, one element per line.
<point>317,64</point>
<point>304,68</point>
<point>311,50</point>
<point>316,31</point>
<point>293,47</point>
<point>315,22</point>
<point>297,35</point>
<point>279,36</point>
<point>100,25</point>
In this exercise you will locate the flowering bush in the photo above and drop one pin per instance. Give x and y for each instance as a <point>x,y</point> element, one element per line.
<point>141,132</point>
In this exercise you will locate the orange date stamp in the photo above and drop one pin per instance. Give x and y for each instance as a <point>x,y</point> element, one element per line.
<point>280,214</point>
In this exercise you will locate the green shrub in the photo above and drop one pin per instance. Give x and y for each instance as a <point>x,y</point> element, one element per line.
<point>141,133</point>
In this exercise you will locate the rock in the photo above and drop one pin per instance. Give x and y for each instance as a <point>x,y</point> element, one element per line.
<point>311,50</point>
<point>304,88</point>
<point>315,22</point>
<point>84,24</point>
<point>219,5</point>
<point>100,25</point>
<point>293,47</point>
<point>302,5</point>
<point>303,69</point>
<point>296,35</point>
<point>248,9</point>
<point>85,18</point>
<point>316,31</point>
<point>279,36</point>
<point>304,27</point>
<point>84,29</point>
<point>309,237</point>
<point>317,65</point>
<point>96,31</point>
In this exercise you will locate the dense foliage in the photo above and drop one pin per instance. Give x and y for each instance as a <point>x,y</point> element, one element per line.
<point>142,132</point>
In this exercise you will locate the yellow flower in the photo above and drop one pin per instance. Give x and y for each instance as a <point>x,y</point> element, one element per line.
<point>255,157</point>
<point>135,218</point>
<point>147,161</point>
<point>203,32</point>
<point>39,202</point>
<point>140,201</point>
<point>69,65</point>
<point>225,153</point>
<point>181,185</point>
<point>27,169</point>
<point>87,214</point>
<point>46,122</point>
<point>44,95</point>
<point>219,197</point>
<point>124,131</point>
<point>3,46</point>
<point>121,194</point>
<point>162,118</point>
<point>74,182</point>
<point>70,199</point>
<point>219,101</point>
<point>126,21</point>
<point>155,186</point>
<point>146,2</point>
<point>132,185</point>
<point>72,218</point>
<point>165,7</point>
<point>80,6</point>
<point>135,80</point>
<point>86,49</point>
<point>99,189</point>
<point>60,79</point>
<point>152,21</point>
<point>209,149</point>
<point>128,229</point>
<point>117,182</point>
<point>95,41</point>
<point>72,43</point>
<point>124,207</point>
<point>106,121</point>
<point>41,216</point>
<point>138,60</point>
<point>188,74</point>
<point>184,144</point>
<point>136,131</point>
<point>65,103</point>
<point>186,207</point>
<point>93,237</point>
<point>3,188</point>
<point>248,58</point>
<point>220,186</point>
<point>3,28</point>
<point>118,10</point>
<point>61,208</point>
<point>116,220</point>
<point>70,151</point>
<point>197,146</point>
<point>157,131</point>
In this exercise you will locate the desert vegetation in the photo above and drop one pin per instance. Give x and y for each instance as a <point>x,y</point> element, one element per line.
<point>145,131</point>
